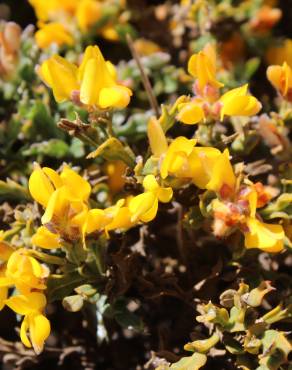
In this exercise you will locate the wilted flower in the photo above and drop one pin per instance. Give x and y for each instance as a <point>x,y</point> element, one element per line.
<point>9,48</point>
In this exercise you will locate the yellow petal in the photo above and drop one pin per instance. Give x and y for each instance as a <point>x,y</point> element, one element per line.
<point>191,113</point>
<point>269,238</point>
<point>5,251</point>
<point>165,194</point>
<point>36,267</point>
<point>222,175</point>
<point>122,220</point>
<point>117,96</point>
<point>23,332</point>
<point>141,205</point>
<point>53,176</point>
<point>90,88</point>
<point>202,161</point>
<point>203,67</point>
<point>39,330</point>
<point>25,304</point>
<point>156,136</point>
<point>53,33</point>
<point>236,103</point>
<point>97,219</point>
<point>3,296</point>
<point>151,213</point>
<point>40,187</point>
<point>79,188</point>
<point>57,205</point>
<point>61,76</point>
<point>150,183</point>
<point>88,13</point>
<point>44,238</point>
<point>176,155</point>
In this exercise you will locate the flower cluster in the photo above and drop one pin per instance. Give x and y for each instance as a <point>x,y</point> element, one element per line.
<point>111,206</point>
<point>57,21</point>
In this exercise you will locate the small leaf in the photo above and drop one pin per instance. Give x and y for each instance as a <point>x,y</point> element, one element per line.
<point>194,362</point>
<point>73,303</point>
<point>52,148</point>
<point>202,346</point>
<point>60,286</point>
<point>255,297</point>
<point>112,149</point>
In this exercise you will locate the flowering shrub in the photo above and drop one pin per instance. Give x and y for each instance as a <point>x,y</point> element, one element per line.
<point>141,191</point>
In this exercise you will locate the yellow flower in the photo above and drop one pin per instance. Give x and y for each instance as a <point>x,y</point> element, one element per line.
<point>267,237</point>
<point>222,179</point>
<point>157,139</point>
<point>236,102</point>
<point>24,271</point>
<point>176,160</point>
<point>203,67</point>
<point>52,9</point>
<point>35,323</point>
<point>280,53</point>
<point>143,207</point>
<point>192,112</point>
<point>64,197</point>
<point>53,33</point>
<point>88,13</point>
<point>281,78</point>
<point>95,80</point>
<point>44,238</point>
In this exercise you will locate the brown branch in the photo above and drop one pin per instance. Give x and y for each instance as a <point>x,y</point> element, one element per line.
<point>144,77</point>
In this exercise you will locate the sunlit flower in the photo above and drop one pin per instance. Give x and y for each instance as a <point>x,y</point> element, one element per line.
<point>25,272</point>
<point>202,66</point>
<point>44,238</point>
<point>64,198</point>
<point>237,102</point>
<point>53,33</point>
<point>143,207</point>
<point>207,103</point>
<point>176,159</point>
<point>95,80</point>
<point>281,78</point>
<point>31,306</point>
<point>267,237</point>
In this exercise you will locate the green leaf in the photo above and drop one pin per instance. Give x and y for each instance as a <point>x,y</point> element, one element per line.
<point>12,190</point>
<point>60,286</point>
<point>194,362</point>
<point>126,318</point>
<point>113,149</point>
<point>52,148</point>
